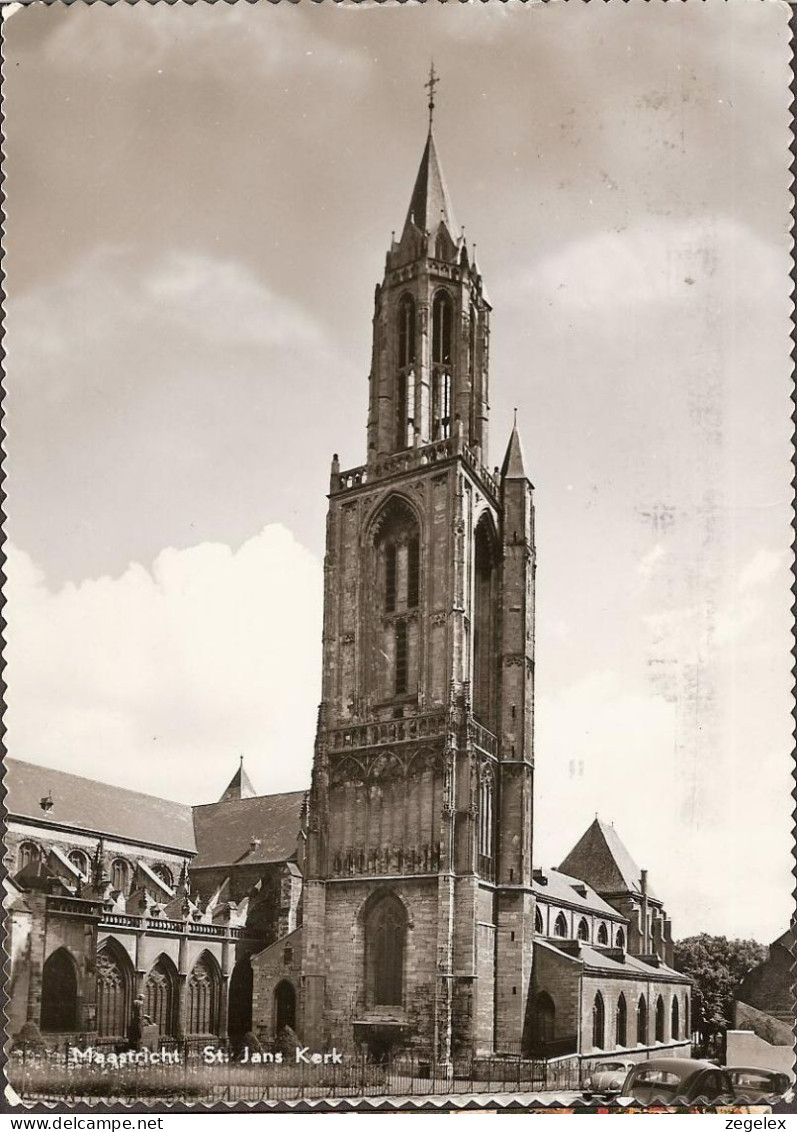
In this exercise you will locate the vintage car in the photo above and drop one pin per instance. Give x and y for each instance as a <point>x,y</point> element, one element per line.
<point>665,1080</point>
<point>752,1084</point>
<point>606,1079</point>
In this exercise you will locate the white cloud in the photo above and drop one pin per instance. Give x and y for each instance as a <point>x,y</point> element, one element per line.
<point>159,678</point>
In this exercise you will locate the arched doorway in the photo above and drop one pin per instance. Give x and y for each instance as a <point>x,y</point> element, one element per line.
<point>114,990</point>
<point>284,1006</point>
<point>543,1022</point>
<point>240,1000</point>
<point>59,993</point>
<point>159,996</point>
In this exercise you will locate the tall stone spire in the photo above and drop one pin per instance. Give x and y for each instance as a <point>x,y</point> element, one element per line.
<point>430,204</point>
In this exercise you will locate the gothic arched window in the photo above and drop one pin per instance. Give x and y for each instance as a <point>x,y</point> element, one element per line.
<point>687,1034</point>
<point>81,862</point>
<point>538,924</point>
<point>385,946</point>
<point>560,926</point>
<point>114,990</point>
<point>621,1035</point>
<point>603,935</point>
<point>405,378</point>
<point>620,941</point>
<point>675,1024</point>
<point>660,1019</point>
<point>398,581</point>
<point>642,1021</point>
<point>485,598</point>
<point>203,986</point>
<point>442,353</point>
<point>486,815</point>
<point>120,874</point>
<point>28,853</point>
<point>583,929</point>
<point>160,996</point>
<point>598,1022</point>
<point>163,873</point>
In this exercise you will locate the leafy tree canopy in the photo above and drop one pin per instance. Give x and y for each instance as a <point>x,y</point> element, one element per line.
<point>716,966</point>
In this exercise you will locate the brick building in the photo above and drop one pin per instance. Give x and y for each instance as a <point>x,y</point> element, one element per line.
<point>101,907</point>
<point>419,896</point>
<point>396,904</point>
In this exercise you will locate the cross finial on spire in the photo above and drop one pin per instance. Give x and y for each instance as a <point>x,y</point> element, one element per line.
<point>515,422</point>
<point>430,84</point>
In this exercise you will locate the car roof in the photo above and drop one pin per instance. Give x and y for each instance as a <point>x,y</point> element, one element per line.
<point>753,1069</point>
<point>683,1066</point>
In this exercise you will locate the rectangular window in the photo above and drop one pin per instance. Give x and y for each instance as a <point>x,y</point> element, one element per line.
<point>401,658</point>
<point>390,578</point>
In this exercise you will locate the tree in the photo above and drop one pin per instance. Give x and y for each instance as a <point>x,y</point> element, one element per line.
<point>716,966</point>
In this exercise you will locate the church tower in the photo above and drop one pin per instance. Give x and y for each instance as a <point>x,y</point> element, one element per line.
<point>418,910</point>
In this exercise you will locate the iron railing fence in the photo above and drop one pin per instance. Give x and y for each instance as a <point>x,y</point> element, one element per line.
<point>188,1074</point>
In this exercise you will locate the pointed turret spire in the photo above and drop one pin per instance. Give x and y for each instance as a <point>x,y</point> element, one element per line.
<point>513,467</point>
<point>430,205</point>
<point>239,787</point>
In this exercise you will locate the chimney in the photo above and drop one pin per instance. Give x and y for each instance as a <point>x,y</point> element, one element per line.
<point>643,885</point>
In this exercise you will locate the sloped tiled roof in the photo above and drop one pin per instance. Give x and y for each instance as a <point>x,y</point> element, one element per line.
<point>225,830</point>
<point>96,807</point>
<point>559,889</point>
<point>601,859</point>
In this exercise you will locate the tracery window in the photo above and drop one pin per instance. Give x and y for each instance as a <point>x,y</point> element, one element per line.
<point>583,929</point>
<point>114,991</point>
<point>159,996</point>
<point>27,854</point>
<point>202,997</point>
<point>560,926</point>
<point>398,580</point>
<point>164,874</point>
<point>485,600</point>
<point>620,938</point>
<point>405,378</point>
<point>385,945</point>
<point>120,874</point>
<point>486,816</point>
<point>539,926</point>
<point>603,935</point>
<point>80,861</point>
<point>442,349</point>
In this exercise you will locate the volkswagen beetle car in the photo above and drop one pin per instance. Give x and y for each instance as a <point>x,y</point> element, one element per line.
<point>665,1080</point>
<point>606,1079</point>
<point>753,1084</point>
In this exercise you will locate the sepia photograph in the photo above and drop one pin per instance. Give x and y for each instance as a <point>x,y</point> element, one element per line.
<point>397,599</point>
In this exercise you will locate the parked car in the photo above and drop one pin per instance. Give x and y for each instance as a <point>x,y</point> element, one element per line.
<point>606,1079</point>
<point>752,1084</point>
<point>665,1080</point>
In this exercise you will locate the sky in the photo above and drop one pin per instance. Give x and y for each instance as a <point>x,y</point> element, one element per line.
<point>199,203</point>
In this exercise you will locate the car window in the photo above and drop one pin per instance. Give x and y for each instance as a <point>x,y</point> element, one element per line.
<point>710,1085</point>
<point>657,1077</point>
<point>612,1066</point>
<point>748,1080</point>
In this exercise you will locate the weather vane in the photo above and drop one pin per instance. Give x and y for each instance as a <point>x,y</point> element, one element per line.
<point>430,85</point>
